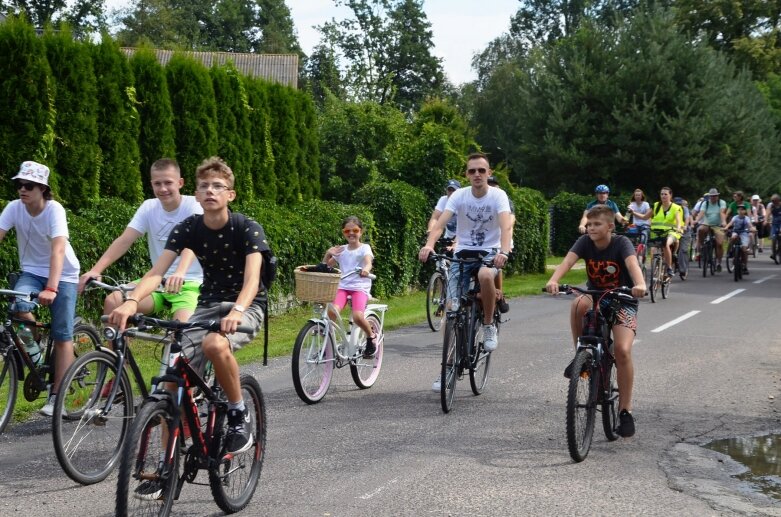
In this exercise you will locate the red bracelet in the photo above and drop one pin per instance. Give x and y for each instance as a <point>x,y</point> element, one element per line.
<point>52,289</point>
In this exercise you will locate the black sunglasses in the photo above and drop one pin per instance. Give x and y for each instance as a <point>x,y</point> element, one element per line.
<point>25,186</point>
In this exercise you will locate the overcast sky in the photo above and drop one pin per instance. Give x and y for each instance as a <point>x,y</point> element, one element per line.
<point>460,27</point>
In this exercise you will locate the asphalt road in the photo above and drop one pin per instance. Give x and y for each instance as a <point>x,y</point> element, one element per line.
<point>390,450</point>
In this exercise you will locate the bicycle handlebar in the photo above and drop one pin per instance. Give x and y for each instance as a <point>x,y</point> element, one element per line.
<point>123,288</point>
<point>142,321</point>
<point>18,294</point>
<point>356,271</point>
<point>434,256</point>
<point>618,292</point>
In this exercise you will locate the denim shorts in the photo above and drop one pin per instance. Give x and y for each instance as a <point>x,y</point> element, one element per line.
<point>63,310</point>
<point>452,283</point>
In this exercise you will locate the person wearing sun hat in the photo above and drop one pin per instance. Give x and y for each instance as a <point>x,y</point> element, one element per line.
<point>758,220</point>
<point>712,215</point>
<point>49,265</point>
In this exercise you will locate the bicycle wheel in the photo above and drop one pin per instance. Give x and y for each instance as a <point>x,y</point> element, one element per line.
<point>366,370</point>
<point>481,361</point>
<point>87,438</point>
<point>730,259</point>
<point>313,362</point>
<point>738,264</point>
<point>712,259</point>
<point>435,301</point>
<point>234,477</point>
<point>656,277</point>
<point>665,285</point>
<point>776,249</point>
<point>9,384</point>
<point>450,362</point>
<point>705,257</point>
<point>610,403</point>
<point>581,406</point>
<point>86,338</point>
<point>146,485</point>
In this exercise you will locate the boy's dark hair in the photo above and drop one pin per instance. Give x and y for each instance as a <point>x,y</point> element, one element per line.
<point>165,163</point>
<point>601,211</point>
<point>215,166</point>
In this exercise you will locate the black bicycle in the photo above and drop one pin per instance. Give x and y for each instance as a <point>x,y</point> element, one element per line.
<point>735,263</point>
<point>775,246</point>
<point>436,293</point>
<point>463,347</point>
<point>169,425</point>
<point>593,382</point>
<point>708,253</point>
<point>16,365</point>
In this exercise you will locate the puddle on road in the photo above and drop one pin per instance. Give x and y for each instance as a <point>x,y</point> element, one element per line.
<point>761,455</point>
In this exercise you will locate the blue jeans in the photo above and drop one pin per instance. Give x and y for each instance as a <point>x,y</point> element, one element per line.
<point>63,310</point>
<point>452,283</point>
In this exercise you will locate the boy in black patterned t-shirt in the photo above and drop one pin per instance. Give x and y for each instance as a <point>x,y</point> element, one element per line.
<point>228,247</point>
<point>610,262</point>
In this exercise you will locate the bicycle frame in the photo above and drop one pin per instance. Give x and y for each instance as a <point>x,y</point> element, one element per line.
<point>344,343</point>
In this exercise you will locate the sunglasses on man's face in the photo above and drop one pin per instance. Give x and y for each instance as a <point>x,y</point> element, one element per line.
<point>22,185</point>
<point>481,170</point>
<point>351,231</point>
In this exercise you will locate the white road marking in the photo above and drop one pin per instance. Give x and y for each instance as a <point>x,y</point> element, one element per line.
<point>378,490</point>
<point>727,296</point>
<point>763,279</point>
<point>676,321</point>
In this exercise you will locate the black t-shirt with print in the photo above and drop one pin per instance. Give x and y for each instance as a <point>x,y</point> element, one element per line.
<point>221,253</point>
<point>606,268</point>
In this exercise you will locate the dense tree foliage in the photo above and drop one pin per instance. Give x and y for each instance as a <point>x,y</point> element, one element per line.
<point>386,48</point>
<point>83,16</point>
<point>321,74</point>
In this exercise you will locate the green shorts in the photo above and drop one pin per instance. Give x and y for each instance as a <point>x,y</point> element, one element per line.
<point>186,298</point>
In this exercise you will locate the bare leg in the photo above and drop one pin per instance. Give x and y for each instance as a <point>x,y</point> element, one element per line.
<point>578,309</point>
<point>623,340</point>
<point>217,349</point>
<point>486,278</point>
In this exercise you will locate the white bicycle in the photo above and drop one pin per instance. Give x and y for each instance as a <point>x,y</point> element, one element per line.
<point>324,342</point>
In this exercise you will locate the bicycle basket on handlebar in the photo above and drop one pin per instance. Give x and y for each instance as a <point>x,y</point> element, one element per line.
<point>316,287</point>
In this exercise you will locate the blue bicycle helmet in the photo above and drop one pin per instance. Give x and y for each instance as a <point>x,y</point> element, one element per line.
<point>602,188</point>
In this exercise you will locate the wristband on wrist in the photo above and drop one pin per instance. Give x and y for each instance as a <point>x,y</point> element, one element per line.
<point>50,289</point>
<point>131,299</point>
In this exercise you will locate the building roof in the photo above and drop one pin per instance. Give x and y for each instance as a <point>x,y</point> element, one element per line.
<point>280,68</point>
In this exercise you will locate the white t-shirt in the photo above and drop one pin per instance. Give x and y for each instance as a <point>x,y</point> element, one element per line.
<point>478,218</point>
<point>152,220</point>
<point>34,238</point>
<point>349,260</point>
<point>642,208</point>
<point>450,229</point>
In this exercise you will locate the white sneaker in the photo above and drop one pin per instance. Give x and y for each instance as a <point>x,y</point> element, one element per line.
<point>491,340</point>
<point>48,408</point>
<point>437,386</point>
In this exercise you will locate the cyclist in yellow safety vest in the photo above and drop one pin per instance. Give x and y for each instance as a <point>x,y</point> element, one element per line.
<point>667,220</point>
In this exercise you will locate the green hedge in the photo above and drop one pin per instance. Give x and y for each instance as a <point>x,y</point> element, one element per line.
<point>531,232</point>
<point>566,211</point>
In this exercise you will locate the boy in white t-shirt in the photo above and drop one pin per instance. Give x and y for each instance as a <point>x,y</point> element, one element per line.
<point>155,218</point>
<point>49,265</point>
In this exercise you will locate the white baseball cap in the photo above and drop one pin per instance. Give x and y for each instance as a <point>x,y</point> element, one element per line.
<point>755,196</point>
<point>33,171</point>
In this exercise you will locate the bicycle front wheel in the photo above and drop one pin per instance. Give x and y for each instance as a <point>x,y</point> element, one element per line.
<point>665,285</point>
<point>481,361</point>
<point>366,370</point>
<point>86,338</point>
<point>777,249</point>
<point>147,484</point>
<point>435,301</point>
<point>656,277</point>
<point>738,266</point>
<point>581,405</point>
<point>610,402</point>
<point>450,362</point>
<point>313,362</point>
<point>87,435</point>
<point>9,384</point>
<point>235,477</point>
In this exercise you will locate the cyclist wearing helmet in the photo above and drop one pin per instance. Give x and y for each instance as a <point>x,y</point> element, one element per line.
<point>601,192</point>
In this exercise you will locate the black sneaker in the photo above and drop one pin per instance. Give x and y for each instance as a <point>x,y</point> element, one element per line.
<point>669,272</point>
<point>626,426</point>
<point>149,490</point>
<point>745,271</point>
<point>370,349</point>
<point>718,267</point>
<point>237,439</point>
<point>568,369</point>
<point>504,307</point>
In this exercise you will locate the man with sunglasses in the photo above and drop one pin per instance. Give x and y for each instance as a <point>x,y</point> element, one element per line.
<point>49,265</point>
<point>483,230</point>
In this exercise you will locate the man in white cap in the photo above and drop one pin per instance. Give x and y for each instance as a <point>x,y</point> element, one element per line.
<point>758,220</point>
<point>49,265</point>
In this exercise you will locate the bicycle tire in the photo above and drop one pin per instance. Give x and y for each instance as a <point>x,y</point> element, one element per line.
<point>712,259</point>
<point>87,441</point>
<point>738,264</point>
<point>666,281</point>
<point>435,301</point>
<point>776,247</point>
<point>311,373</point>
<point>365,371</point>
<point>480,362</point>
<point>581,405</point>
<point>450,362</point>
<point>730,259</point>
<point>232,481</point>
<point>9,386</point>
<point>140,462</point>
<point>706,257</point>
<point>656,275</point>
<point>86,338</point>
<point>610,402</point>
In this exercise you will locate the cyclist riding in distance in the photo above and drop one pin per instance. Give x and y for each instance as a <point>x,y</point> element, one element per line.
<point>667,220</point>
<point>640,211</point>
<point>712,215</point>
<point>757,214</point>
<point>741,227</point>
<point>228,246</point>
<point>773,217</point>
<point>610,262</point>
<point>738,198</point>
<point>483,230</point>
<point>686,237</point>
<point>602,192</point>
<point>450,229</point>
<point>155,218</point>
